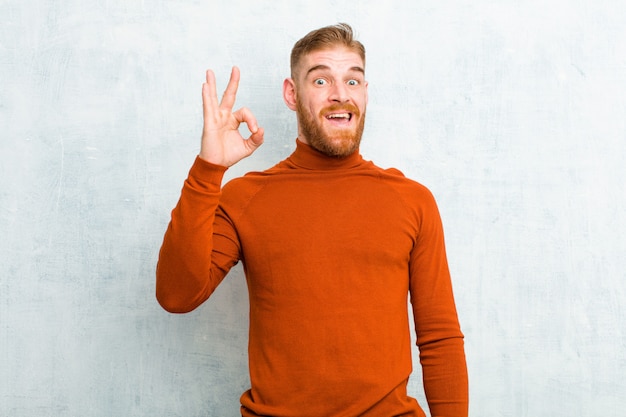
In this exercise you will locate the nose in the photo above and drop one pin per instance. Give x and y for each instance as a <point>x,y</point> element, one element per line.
<point>339,93</point>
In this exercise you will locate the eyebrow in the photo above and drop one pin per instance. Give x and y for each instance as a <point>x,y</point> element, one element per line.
<point>326,67</point>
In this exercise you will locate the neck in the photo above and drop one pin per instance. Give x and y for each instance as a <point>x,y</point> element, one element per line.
<point>308,157</point>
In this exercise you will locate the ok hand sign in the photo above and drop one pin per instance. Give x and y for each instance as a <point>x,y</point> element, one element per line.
<point>222,144</point>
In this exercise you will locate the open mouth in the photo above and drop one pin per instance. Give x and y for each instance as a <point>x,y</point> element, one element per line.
<point>339,117</point>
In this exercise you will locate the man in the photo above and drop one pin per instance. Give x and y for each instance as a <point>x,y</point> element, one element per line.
<point>331,246</point>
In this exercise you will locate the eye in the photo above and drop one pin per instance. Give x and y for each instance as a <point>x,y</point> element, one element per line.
<point>319,81</point>
<point>353,82</point>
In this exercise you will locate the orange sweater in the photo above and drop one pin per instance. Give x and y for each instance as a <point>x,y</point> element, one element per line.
<point>331,249</point>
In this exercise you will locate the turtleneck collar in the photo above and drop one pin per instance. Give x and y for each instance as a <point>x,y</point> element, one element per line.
<point>309,158</point>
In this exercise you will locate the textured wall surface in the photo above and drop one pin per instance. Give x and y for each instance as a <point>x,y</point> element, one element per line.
<point>512,113</point>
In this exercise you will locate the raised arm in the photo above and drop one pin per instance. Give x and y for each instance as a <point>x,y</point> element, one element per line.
<point>194,259</point>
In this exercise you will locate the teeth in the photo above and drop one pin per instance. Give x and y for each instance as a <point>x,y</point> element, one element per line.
<point>338,116</point>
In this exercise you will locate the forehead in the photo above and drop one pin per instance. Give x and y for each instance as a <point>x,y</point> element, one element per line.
<point>340,59</point>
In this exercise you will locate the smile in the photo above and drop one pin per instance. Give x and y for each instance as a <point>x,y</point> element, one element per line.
<point>340,116</point>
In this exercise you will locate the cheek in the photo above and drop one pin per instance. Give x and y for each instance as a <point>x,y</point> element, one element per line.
<point>363,104</point>
<point>364,98</point>
<point>315,108</point>
<point>314,100</point>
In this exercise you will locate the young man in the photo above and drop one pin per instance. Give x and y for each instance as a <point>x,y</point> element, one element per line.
<point>331,247</point>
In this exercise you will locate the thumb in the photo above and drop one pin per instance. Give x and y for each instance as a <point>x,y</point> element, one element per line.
<point>256,138</point>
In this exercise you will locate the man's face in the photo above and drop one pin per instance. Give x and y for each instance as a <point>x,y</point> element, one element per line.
<point>329,96</point>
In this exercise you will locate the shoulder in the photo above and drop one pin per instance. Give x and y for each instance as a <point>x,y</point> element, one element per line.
<point>416,197</point>
<point>404,185</point>
<point>241,188</point>
<point>239,192</point>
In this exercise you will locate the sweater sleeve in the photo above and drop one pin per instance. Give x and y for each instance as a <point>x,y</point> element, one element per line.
<point>194,259</point>
<point>439,336</point>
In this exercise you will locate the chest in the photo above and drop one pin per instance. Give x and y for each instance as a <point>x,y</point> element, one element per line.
<point>323,226</point>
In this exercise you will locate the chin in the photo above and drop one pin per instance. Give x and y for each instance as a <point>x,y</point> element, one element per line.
<point>337,148</point>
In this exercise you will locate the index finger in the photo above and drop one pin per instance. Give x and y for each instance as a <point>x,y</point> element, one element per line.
<point>230,94</point>
<point>209,95</point>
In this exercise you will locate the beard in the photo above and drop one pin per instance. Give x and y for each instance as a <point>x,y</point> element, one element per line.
<point>338,143</point>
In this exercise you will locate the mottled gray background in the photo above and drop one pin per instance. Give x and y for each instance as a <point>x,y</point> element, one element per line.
<point>513,113</point>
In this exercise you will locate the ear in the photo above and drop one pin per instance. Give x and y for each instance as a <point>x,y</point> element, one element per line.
<point>289,93</point>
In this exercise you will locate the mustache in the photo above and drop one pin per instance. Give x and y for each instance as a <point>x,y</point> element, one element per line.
<point>341,108</point>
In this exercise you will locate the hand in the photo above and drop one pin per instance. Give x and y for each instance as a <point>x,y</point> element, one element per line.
<point>222,144</point>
